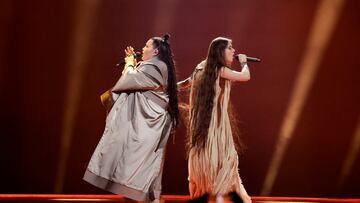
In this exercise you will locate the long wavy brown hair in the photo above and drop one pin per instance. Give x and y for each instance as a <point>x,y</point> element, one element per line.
<point>203,93</point>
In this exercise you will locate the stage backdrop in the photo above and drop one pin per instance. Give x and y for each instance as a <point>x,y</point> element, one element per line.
<point>299,113</point>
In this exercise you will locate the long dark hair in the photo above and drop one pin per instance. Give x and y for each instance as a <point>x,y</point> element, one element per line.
<point>204,93</point>
<point>165,54</point>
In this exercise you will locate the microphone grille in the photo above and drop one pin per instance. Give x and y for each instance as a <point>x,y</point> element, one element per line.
<point>236,57</point>
<point>138,55</point>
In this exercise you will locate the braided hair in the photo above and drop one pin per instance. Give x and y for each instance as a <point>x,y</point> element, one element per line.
<point>166,55</point>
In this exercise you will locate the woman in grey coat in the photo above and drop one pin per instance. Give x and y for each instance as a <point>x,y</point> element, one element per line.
<point>143,104</point>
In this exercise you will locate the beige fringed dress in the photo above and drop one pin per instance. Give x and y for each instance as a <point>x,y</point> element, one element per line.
<point>214,169</point>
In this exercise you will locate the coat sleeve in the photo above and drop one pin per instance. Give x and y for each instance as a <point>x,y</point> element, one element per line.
<point>145,77</point>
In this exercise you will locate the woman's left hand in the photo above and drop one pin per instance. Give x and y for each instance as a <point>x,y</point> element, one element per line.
<point>242,58</point>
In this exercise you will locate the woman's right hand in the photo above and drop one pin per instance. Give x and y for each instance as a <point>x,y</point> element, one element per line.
<point>130,56</point>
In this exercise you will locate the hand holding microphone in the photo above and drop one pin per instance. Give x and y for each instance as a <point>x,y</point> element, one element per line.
<point>130,57</point>
<point>242,58</point>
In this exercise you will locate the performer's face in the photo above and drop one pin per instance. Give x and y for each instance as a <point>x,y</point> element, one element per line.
<point>229,53</point>
<point>148,50</point>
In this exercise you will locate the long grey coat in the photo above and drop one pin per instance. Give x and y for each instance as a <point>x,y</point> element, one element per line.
<point>129,158</point>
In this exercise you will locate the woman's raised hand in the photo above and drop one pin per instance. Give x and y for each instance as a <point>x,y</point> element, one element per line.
<point>130,56</point>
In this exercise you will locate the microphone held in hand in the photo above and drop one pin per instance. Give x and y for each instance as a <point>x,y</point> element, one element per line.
<point>137,56</point>
<point>248,58</point>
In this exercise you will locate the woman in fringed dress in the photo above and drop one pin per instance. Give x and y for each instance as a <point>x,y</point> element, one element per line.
<point>213,139</point>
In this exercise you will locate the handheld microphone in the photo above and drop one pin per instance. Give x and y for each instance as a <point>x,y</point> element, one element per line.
<point>248,58</point>
<point>137,56</point>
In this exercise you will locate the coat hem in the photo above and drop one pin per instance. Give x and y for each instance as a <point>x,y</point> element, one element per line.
<point>119,189</point>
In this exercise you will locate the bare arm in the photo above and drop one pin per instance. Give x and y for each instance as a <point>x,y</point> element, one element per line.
<point>242,76</point>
